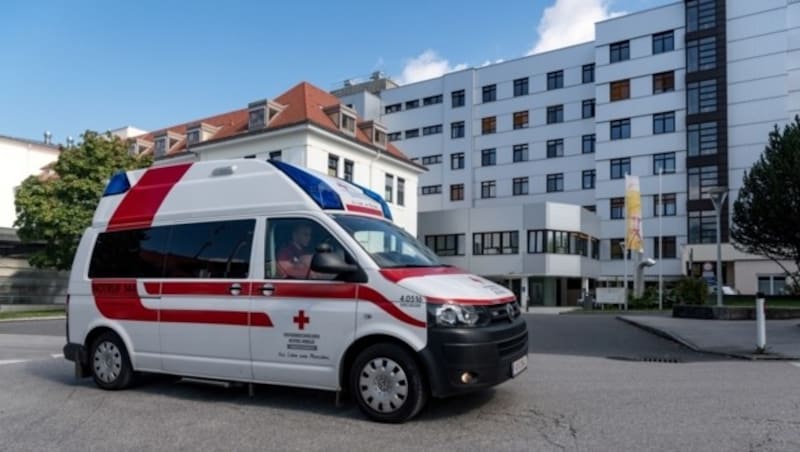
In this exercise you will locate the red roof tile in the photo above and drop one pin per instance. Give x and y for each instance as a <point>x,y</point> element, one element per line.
<point>304,103</point>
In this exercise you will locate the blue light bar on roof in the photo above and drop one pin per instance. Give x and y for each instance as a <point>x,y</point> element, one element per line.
<point>119,183</point>
<point>387,213</point>
<point>322,193</point>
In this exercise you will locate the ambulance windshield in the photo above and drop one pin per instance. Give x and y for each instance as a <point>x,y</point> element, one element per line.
<point>389,245</point>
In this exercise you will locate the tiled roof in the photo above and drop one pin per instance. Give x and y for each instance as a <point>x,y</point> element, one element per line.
<point>304,103</point>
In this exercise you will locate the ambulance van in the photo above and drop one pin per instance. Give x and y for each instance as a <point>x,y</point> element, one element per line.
<point>264,272</point>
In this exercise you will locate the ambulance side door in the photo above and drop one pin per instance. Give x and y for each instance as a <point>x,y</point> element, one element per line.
<point>312,316</point>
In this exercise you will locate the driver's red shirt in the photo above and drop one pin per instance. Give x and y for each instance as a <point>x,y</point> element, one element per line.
<point>293,262</point>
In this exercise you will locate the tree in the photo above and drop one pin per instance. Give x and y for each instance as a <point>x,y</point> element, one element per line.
<point>56,209</point>
<point>766,215</point>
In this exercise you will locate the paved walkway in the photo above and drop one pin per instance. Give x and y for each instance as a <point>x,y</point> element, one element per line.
<point>726,337</point>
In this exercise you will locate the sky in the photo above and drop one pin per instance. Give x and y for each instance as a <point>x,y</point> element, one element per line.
<point>67,67</point>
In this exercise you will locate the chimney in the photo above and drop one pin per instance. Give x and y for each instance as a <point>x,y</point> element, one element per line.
<point>48,137</point>
<point>70,142</point>
<point>377,75</point>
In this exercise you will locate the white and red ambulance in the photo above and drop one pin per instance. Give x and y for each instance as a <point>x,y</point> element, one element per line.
<point>263,272</point>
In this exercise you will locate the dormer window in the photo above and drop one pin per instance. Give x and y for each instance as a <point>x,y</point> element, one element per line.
<point>166,141</point>
<point>348,123</point>
<point>376,132</point>
<point>161,146</point>
<point>343,116</point>
<point>261,113</point>
<point>197,133</point>
<point>138,146</point>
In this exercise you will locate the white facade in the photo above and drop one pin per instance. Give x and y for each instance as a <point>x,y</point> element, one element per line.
<point>20,158</point>
<point>755,61</point>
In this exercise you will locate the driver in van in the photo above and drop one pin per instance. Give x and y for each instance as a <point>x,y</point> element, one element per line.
<point>294,259</point>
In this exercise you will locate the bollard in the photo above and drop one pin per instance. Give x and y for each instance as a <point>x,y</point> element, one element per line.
<point>761,327</point>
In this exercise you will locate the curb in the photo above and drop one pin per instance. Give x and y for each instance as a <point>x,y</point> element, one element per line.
<point>30,319</point>
<point>688,344</point>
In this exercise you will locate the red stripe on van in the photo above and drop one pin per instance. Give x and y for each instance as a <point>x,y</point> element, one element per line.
<point>119,300</point>
<point>364,209</point>
<point>368,294</point>
<point>140,204</point>
<point>471,301</point>
<point>306,290</point>
<point>202,288</point>
<point>398,274</point>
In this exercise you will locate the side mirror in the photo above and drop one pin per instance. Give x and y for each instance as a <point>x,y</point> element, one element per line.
<point>324,261</point>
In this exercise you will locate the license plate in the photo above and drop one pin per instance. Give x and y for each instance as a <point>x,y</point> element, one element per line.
<point>519,365</point>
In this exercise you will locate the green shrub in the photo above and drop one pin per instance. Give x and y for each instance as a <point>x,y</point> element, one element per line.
<point>690,291</point>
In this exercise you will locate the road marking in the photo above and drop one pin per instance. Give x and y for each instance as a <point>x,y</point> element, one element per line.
<point>12,361</point>
<point>796,364</point>
<point>57,355</point>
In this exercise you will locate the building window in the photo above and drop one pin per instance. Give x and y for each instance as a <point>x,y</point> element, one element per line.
<point>587,143</point>
<point>701,54</point>
<point>446,244</point>
<point>668,206</point>
<point>488,157</point>
<point>393,108</point>
<point>432,130</point>
<point>701,179</point>
<point>588,109</point>
<point>620,167</point>
<point>555,148</point>
<point>457,192</point>
<point>588,73</point>
<point>333,165</point>
<point>488,125</point>
<point>457,161</point>
<point>432,159</point>
<point>595,248</point>
<point>773,285</point>
<point>555,80</point>
<point>620,90</point>
<point>276,155</point>
<point>521,87</point>
<point>701,97</point>
<point>431,190</point>
<point>520,186</point>
<point>411,104</point>
<point>457,129</point>
<point>664,122</point>
<point>620,129</point>
<point>488,189</point>
<point>619,51</point>
<point>432,100</point>
<point>457,98</point>
<point>588,179</point>
<point>348,170</point>
<point>663,82</point>
<point>389,188</point>
<point>617,208</point>
<point>555,114</point>
<point>700,15</point>
<point>412,133</point>
<point>664,162</point>
<point>401,191</point>
<point>348,123</point>
<point>558,242</point>
<point>504,242</point>
<point>489,93</point>
<point>520,153</point>
<point>669,246</point>
<point>555,182</point>
<point>663,42</point>
<point>394,136</point>
<point>701,139</point>
<point>520,119</point>
<point>702,227</point>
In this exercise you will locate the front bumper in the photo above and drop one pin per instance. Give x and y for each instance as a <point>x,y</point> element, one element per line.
<point>486,352</point>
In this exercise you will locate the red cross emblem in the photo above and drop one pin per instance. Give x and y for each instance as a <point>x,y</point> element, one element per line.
<point>301,319</point>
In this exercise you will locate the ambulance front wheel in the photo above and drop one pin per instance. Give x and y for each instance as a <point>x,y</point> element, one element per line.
<point>387,383</point>
<point>111,366</point>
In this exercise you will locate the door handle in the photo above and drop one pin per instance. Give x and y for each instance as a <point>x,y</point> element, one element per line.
<point>235,289</point>
<point>267,290</point>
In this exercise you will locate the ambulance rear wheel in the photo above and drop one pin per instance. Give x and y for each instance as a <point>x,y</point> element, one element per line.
<point>387,383</point>
<point>111,366</point>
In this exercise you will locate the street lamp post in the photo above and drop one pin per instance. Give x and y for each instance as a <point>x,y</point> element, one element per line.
<point>718,196</point>
<point>660,242</point>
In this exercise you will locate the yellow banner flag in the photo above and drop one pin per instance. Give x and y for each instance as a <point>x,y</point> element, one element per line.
<point>633,211</point>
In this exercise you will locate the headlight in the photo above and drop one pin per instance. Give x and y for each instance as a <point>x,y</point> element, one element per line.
<point>455,315</point>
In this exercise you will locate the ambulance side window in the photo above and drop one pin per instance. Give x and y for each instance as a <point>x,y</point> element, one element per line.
<point>289,246</point>
<point>136,253</point>
<point>213,250</point>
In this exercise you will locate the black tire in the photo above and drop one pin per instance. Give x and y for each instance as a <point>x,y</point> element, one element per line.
<point>387,383</point>
<point>109,362</point>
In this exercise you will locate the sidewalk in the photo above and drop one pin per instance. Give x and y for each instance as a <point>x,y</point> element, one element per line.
<point>726,337</point>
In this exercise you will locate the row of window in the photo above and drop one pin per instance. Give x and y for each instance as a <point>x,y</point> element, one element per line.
<point>414,103</point>
<point>662,42</point>
<point>667,206</point>
<point>333,167</point>
<point>663,82</point>
<point>668,245</point>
